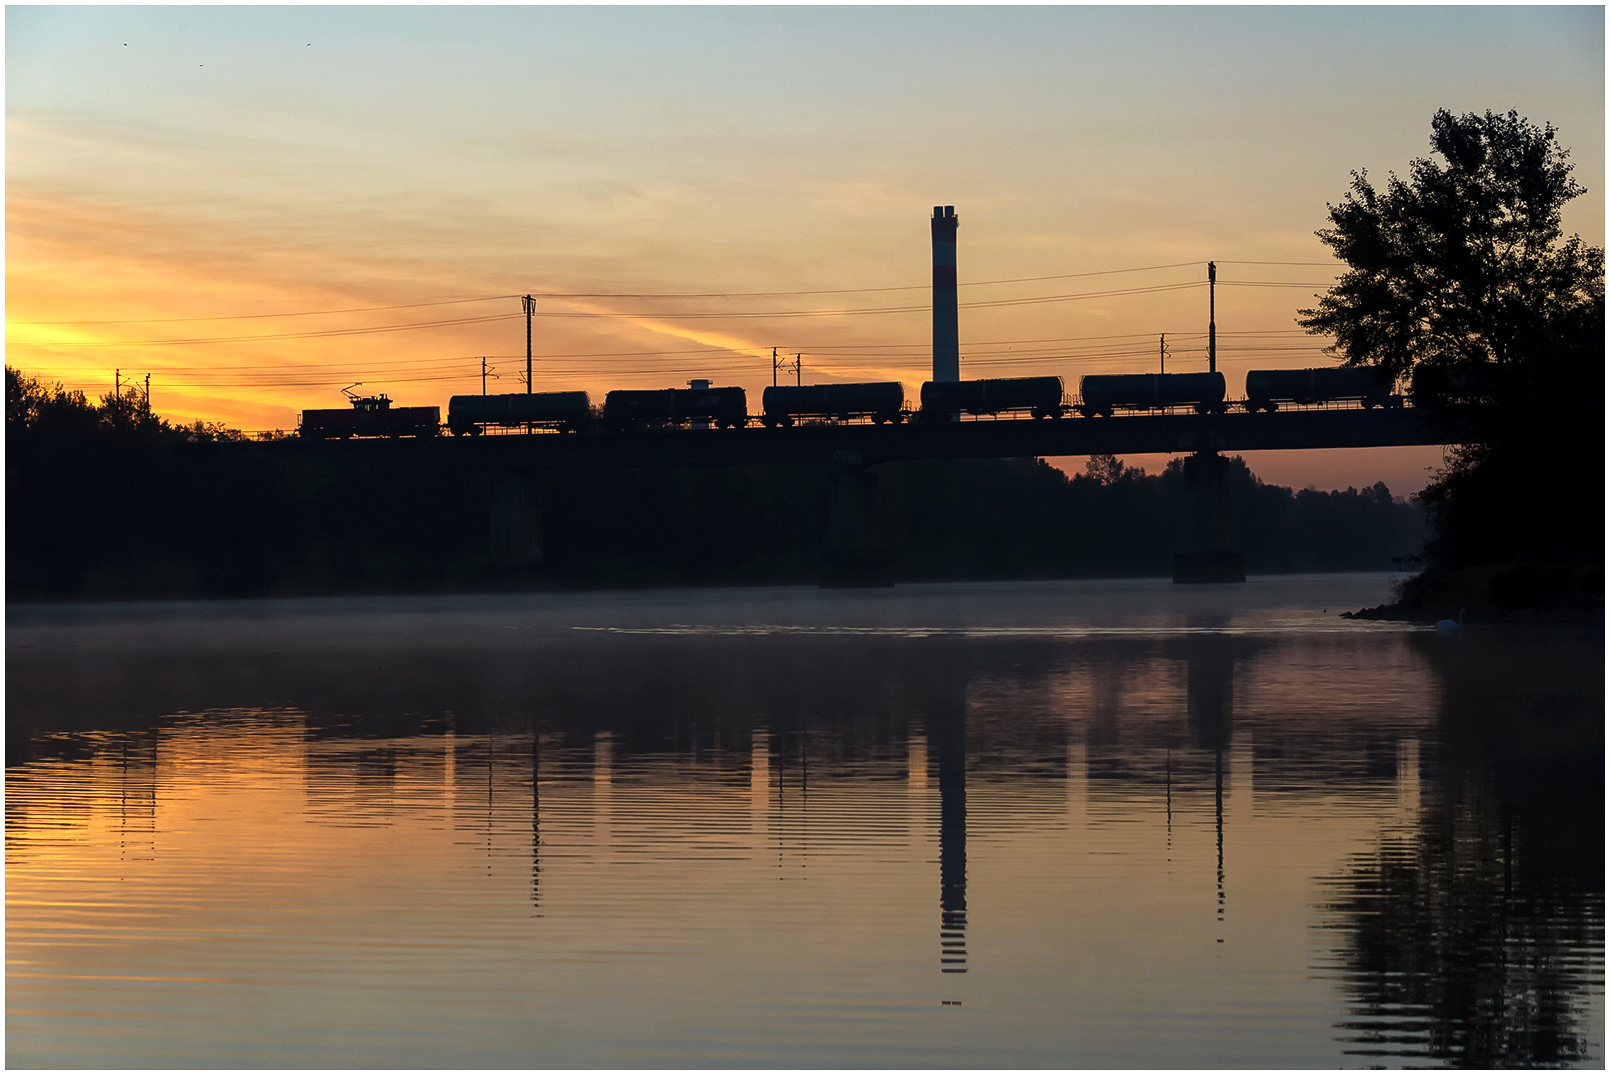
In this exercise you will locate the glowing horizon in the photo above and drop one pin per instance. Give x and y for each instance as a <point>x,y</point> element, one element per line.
<point>247,165</point>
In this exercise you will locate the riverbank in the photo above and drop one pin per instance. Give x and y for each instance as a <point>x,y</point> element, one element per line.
<point>1515,592</point>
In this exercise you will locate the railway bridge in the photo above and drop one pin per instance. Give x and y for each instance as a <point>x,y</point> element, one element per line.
<point>855,553</point>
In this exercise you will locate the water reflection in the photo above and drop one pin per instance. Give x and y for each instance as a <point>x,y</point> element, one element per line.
<point>1210,709</point>
<point>946,720</point>
<point>1472,933</point>
<point>731,839</point>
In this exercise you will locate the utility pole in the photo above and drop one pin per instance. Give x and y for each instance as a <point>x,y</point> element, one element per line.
<point>530,305</point>
<point>799,375</point>
<point>1162,353</point>
<point>148,397</point>
<point>774,367</point>
<point>484,371</point>
<point>1213,332</point>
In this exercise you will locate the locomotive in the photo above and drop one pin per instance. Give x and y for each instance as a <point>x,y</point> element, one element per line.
<point>881,401</point>
<point>370,416</point>
<point>1101,394</point>
<point>1267,389</point>
<point>1039,396</point>
<point>565,411</point>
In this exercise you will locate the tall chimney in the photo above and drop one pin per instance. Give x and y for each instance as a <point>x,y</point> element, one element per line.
<point>947,341</point>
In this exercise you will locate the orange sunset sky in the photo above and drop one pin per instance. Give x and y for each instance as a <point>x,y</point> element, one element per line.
<point>257,206</point>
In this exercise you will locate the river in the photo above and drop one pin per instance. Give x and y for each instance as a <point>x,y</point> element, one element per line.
<point>1068,824</point>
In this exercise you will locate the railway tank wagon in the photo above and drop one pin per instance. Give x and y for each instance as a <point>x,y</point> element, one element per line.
<point>1435,386</point>
<point>627,408</point>
<point>881,401</point>
<point>1039,396</point>
<point>370,416</point>
<point>1267,389</point>
<point>565,411</point>
<point>1101,394</point>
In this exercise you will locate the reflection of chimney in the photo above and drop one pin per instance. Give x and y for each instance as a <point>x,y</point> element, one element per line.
<point>947,340</point>
<point>536,817</point>
<point>947,746</point>
<point>1210,685</point>
<point>1210,711</point>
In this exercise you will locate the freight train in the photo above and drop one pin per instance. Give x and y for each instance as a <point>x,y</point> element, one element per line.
<point>703,406</point>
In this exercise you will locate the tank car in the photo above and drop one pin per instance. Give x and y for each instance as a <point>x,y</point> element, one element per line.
<point>371,416</point>
<point>1040,396</point>
<point>881,401</point>
<point>1267,389</point>
<point>1101,394</point>
<point>1431,386</point>
<point>567,411</point>
<point>636,408</point>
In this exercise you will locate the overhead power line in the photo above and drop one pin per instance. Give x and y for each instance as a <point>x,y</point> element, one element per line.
<point>645,315</point>
<point>280,335</point>
<point>650,295</point>
<point>249,317</point>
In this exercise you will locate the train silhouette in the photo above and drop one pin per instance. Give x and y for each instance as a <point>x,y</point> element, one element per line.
<point>704,406</point>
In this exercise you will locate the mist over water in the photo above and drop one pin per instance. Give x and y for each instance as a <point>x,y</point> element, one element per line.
<point>1032,824</point>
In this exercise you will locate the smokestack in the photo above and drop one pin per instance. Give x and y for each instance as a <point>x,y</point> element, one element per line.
<point>947,340</point>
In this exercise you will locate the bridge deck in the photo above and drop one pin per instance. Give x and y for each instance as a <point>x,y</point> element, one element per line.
<point>871,444</point>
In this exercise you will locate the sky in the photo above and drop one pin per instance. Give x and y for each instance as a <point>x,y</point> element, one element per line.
<point>257,206</point>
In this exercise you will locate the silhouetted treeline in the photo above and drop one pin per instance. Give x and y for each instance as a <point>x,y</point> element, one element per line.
<point>64,416</point>
<point>107,501</point>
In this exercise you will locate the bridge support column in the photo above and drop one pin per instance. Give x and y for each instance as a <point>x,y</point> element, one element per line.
<point>855,554</point>
<point>516,519</point>
<point>1211,556</point>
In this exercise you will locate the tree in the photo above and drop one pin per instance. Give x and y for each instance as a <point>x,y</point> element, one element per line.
<point>1104,469</point>
<point>1463,266</point>
<point>34,407</point>
<point>1463,263</point>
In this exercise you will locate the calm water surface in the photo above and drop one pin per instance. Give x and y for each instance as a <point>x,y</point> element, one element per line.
<point>1055,824</point>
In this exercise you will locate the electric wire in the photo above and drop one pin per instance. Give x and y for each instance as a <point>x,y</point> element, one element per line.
<point>646,295</point>
<point>657,295</point>
<point>652,316</point>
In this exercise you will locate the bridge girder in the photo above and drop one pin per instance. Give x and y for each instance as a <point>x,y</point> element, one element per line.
<point>869,445</point>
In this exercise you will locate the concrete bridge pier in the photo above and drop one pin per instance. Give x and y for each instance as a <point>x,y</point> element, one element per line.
<point>515,524</point>
<point>1211,555</point>
<point>855,555</point>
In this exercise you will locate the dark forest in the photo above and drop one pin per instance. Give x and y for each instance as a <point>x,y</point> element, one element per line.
<point>105,500</point>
